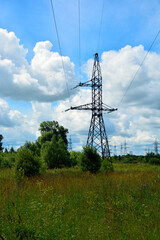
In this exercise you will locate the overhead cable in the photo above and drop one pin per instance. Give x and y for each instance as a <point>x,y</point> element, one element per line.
<point>100,26</point>
<point>79,28</point>
<point>139,68</point>
<point>60,49</point>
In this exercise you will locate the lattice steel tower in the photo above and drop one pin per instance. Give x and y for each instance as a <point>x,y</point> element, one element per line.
<point>97,136</point>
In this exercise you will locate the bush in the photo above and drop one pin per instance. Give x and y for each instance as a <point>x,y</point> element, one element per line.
<point>33,147</point>
<point>154,160</point>
<point>55,154</point>
<point>75,158</point>
<point>107,166</point>
<point>90,159</point>
<point>7,160</point>
<point>26,163</point>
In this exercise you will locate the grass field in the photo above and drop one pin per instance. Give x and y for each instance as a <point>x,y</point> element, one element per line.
<point>69,204</point>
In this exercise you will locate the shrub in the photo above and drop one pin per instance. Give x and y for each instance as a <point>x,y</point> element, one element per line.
<point>27,163</point>
<point>154,160</point>
<point>55,153</point>
<point>33,147</point>
<point>107,166</point>
<point>90,159</point>
<point>75,158</point>
<point>7,160</point>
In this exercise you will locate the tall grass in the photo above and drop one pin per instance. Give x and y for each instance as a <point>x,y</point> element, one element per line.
<point>70,204</point>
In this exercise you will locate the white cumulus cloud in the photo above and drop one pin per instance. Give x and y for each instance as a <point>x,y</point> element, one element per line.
<point>44,80</point>
<point>44,85</point>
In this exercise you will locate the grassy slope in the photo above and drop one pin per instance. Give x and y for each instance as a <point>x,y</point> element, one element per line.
<point>69,204</point>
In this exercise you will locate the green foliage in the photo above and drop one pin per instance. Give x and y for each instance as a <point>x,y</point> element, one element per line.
<point>154,160</point>
<point>90,159</point>
<point>12,150</point>
<point>129,159</point>
<point>150,158</point>
<point>49,129</point>
<point>1,138</point>
<point>6,150</point>
<point>70,204</point>
<point>107,165</point>
<point>27,163</point>
<point>7,160</point>
<point>75,158</point>
<point>35,148</point>
<point>55,153</point>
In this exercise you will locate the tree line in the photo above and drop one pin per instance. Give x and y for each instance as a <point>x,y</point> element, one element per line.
<point>50,151</point>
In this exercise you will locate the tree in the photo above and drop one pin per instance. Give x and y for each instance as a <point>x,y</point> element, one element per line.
<point>26,163</point>
<point>75,158</point>
<point>1,138</point>
<point>34,147</point>
<point>49,129</point>
<point>12,150</point>
<point>90,159</point>
<point>55,153</point>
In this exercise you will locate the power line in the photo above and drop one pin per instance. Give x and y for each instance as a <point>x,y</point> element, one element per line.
<point>139,68</point>
<point>79,28</point>
<point>60,49</point>
<point>100,27</point>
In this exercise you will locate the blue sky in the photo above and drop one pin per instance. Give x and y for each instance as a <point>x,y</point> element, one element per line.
<point>126,22</point>
<point>134,23</point>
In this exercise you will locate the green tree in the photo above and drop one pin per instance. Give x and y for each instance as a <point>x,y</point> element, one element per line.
<point>34,147</point>
<point>12,150</point>
<point>49,129</point>
<point>75,158</point>
<point>1,138</point>
<point>106,166</point>
<point>55,153</point>
<point>26,163</point>
<point>6,150</point>
<point>90,159</point>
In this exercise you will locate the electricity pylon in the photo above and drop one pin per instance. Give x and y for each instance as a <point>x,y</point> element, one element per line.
<point>125,148</point>
<point>70,144</point>
<point>97,136</point>
<point>156,146</point>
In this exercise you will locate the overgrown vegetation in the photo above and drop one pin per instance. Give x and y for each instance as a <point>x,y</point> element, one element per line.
<point>90,160</point>
<point>50,151</point>
<point>150,158</point>
<point>7,160</point>
<point>55,153</point>
<point>27,163</point>
<point>66,203</point>
<point>70,204</point>
<point>1,138</point>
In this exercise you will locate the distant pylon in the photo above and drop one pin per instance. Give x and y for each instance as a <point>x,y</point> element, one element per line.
<point>156,146</point>
<point>125,148</point>
<point>121,149</point>
<point>97,136</point>
<point>70,144</point>
<point>115,150</point>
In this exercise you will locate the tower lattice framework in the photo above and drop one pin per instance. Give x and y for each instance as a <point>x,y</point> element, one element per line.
<point>97,136</point>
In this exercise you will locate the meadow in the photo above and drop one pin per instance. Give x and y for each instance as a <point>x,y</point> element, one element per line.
<point>70,204</point>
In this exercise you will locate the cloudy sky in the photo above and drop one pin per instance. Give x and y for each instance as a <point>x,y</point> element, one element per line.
<point>34,88</point>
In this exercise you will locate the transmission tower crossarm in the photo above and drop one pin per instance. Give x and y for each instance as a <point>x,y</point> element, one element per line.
<point>85,84</point>
<point>81,107</point>
<point>89,106</point>
<point>108,108</point>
